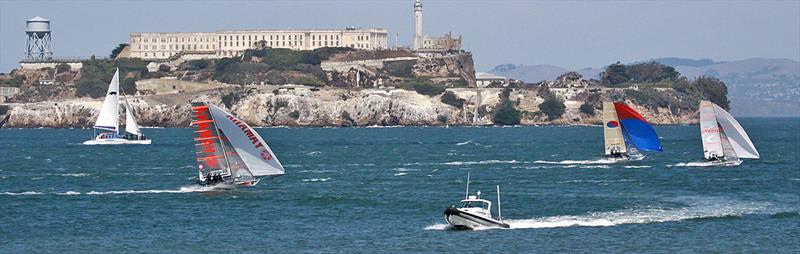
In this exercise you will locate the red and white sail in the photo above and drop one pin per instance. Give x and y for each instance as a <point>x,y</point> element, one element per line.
<point>226,144</point>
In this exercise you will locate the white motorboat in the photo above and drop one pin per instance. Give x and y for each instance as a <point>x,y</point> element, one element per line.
<point>474,212</point>
<point>108,121</point>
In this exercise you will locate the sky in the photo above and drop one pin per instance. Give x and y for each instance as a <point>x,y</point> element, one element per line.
<point>569,34</point>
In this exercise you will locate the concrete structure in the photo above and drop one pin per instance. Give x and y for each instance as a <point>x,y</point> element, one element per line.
<point>38,44</point>
<point>484,79</point>
<point>162,46</point>
<point>418,36</point>
<point>35,64</point>
<point>8,91</point>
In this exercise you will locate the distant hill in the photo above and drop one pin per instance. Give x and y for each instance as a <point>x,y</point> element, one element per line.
<point>756,86</point>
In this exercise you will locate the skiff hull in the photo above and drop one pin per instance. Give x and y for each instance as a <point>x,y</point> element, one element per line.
<point>117,141</point>
<point>465,220</point>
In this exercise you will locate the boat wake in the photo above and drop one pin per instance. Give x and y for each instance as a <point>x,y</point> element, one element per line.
<point>693,164</point>
<point>184,189</point>
<point>696,211</point>
<point>577,162</point>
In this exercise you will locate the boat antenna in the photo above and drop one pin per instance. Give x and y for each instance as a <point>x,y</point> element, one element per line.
<point>466,196</point>
<point>499,212</point>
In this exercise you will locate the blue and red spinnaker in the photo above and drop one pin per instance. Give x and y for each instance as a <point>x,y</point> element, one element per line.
<point>637,129</point>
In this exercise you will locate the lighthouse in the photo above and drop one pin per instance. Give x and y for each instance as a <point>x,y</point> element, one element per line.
<point>417,25</point>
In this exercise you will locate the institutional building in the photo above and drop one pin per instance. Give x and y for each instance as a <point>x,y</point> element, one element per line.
<point>155,46</point>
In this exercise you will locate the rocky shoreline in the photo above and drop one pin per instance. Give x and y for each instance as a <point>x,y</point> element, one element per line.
<point>301,107</point>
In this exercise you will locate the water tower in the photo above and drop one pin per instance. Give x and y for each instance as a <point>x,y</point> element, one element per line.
<point>38,45</point>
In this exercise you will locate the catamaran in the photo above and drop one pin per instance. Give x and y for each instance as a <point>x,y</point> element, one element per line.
<point>474,212</point>
<point>626,133</point>
<point>228,150</point>
<point>724,140</point>
<point>108,120</point>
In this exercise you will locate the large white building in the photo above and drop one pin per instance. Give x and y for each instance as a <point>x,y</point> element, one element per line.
<point>234,42</point>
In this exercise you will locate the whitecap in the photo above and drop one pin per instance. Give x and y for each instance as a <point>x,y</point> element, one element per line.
<point>316,180</point>
<point>458,163</point>
<point>22,193</point>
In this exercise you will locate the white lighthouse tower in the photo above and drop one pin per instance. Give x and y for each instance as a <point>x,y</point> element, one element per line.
<point>38,45</point>
<point>417,25</point>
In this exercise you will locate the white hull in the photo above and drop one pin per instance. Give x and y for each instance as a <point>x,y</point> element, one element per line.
<point>625,158</point>
<point>725,163</point>
<point>117,141</point>
<point>462,219</point>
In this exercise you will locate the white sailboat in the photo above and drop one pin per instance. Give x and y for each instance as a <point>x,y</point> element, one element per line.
<point>724,141</point>
<point>228,150</point>
<point>474,212</point>
<point>108,121</point>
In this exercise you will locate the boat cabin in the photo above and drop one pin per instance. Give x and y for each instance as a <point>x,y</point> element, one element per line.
<point>474,204</point>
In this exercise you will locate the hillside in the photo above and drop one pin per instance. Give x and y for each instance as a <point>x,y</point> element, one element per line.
<point>757,86</point>
<point>351,88</point>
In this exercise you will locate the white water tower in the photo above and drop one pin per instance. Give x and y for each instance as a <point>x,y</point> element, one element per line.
<point>38,45</point>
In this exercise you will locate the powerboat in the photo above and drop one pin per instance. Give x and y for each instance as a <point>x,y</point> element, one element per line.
<point>474,212</point>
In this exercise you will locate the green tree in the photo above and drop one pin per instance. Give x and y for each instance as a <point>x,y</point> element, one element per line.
<point>507,114</point>
<point>115,52</point>
<point>63,67</point>
<point>452,99</point>
<point>714,90</point>
<point>552,108</point>
<point>587,109</point>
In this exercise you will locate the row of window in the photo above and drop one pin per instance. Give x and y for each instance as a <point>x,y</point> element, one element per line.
<point>176,47</point>
<point>173,39</point>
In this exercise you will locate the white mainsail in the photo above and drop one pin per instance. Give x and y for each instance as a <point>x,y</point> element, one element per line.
<point>109,113</point>
<point>130,121</point>
<point>735,134</point>
<point>709,131</point>
<point>250,147</point>
<point>612,130</point>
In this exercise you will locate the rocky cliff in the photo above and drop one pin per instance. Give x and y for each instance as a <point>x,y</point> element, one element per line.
<point>298,106</point>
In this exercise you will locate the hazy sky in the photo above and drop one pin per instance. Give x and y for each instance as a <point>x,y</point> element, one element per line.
<point>571,34</point>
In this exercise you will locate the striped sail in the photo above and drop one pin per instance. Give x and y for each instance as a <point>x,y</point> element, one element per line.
<point>612,131</point>
<point>710,132</point>
<point>208,146</point>
<point>250,147</point>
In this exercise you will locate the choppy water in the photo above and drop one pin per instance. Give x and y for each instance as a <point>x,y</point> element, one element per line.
<point>384,190</point>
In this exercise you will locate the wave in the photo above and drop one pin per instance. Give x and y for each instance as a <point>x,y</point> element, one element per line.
<point>400,174</point>
<point>637,166</point>
<point>27,193</point>
<point>464,143</point>
<point>316,179</point>
<point>459,163</point>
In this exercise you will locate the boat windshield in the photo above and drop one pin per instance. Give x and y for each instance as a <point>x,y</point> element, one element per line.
<point>473,204</point>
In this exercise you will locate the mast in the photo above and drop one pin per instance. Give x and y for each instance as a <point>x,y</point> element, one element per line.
<point>467,193</point>
<point>499,212</point>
